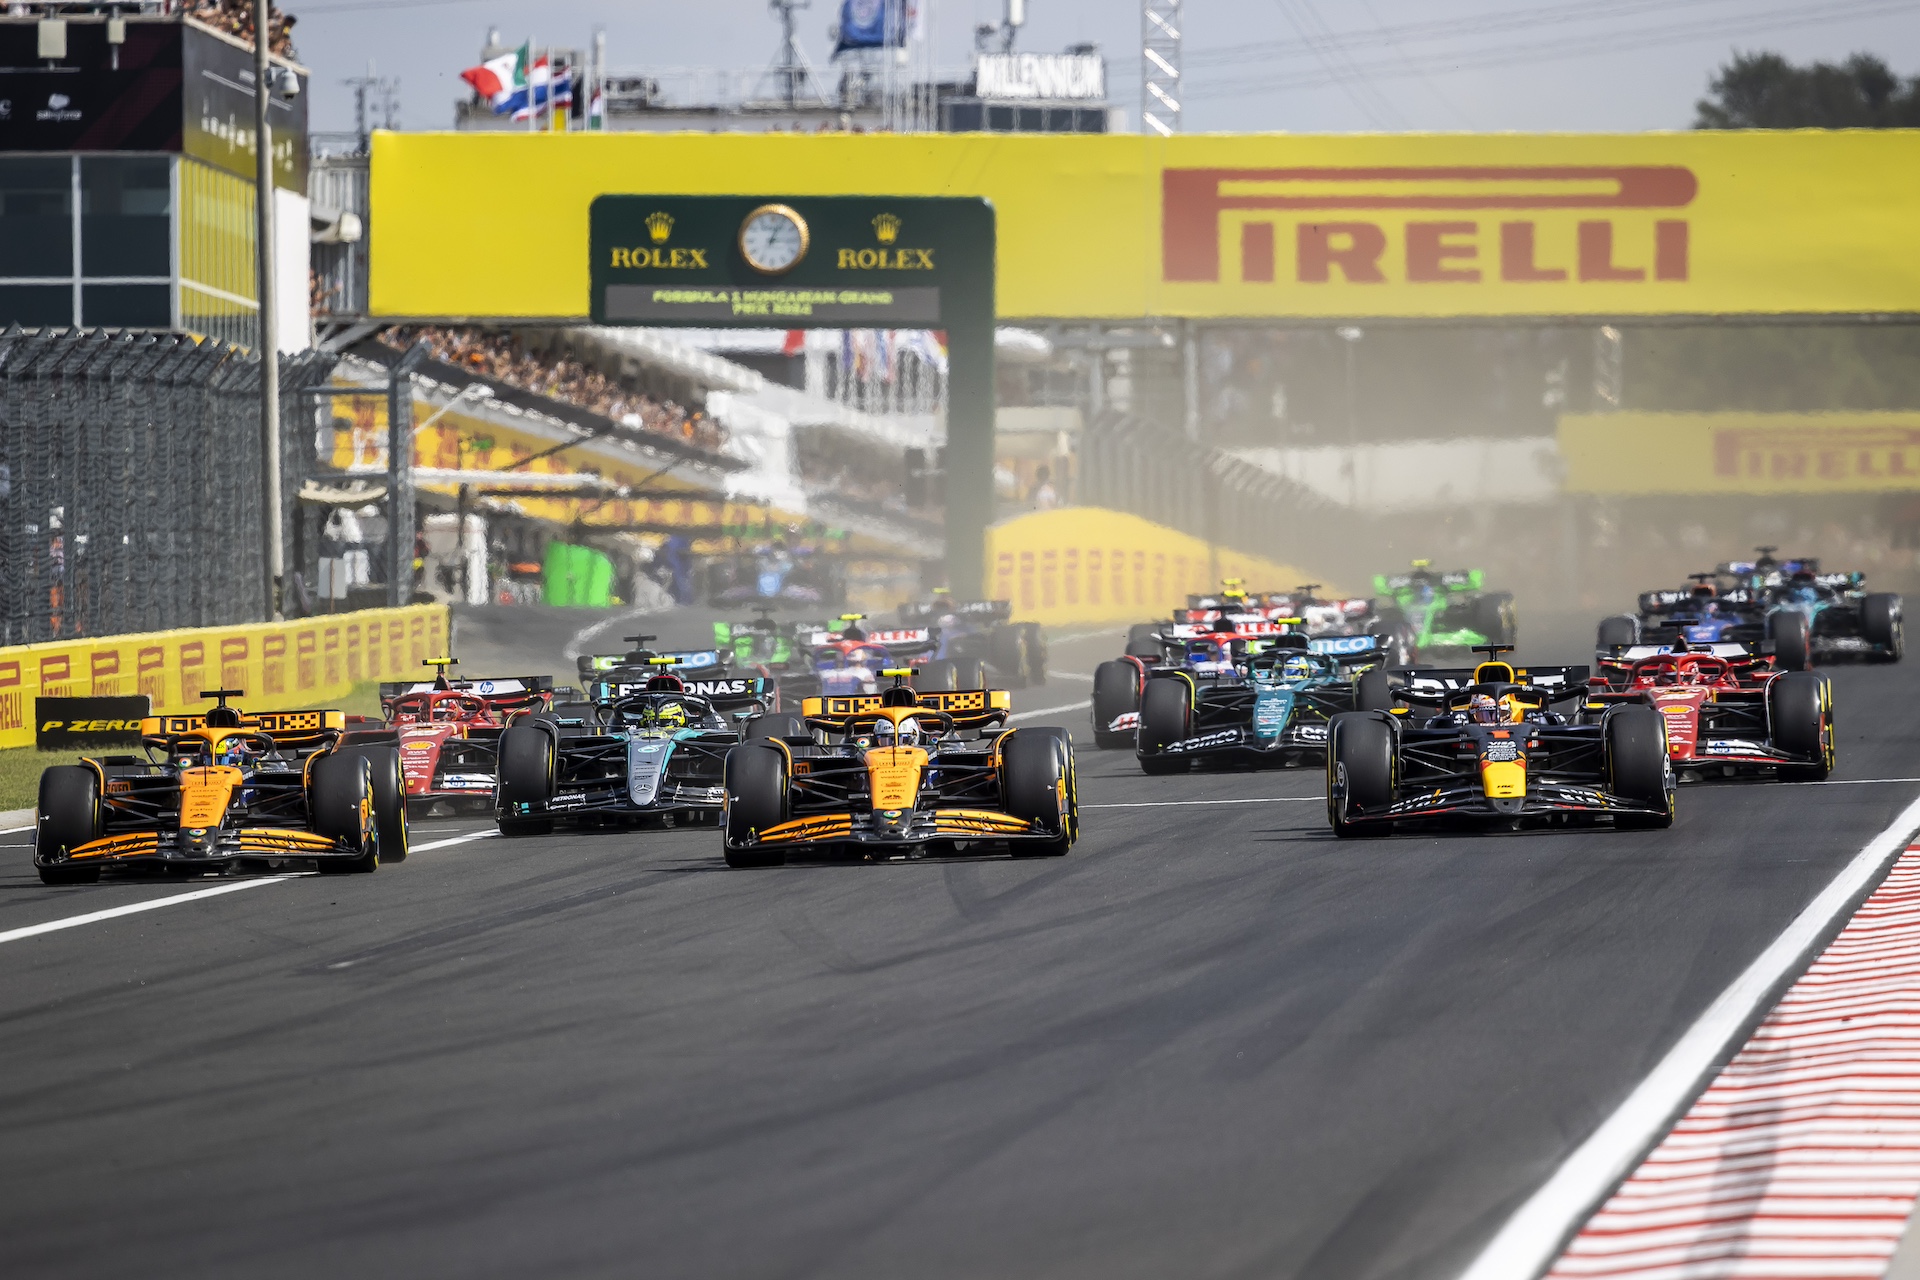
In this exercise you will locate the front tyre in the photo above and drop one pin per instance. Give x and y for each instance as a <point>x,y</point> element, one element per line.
<point>389,799</point>
<point>1617,632</point>
<point>1360,760</point>
<point>1637,768</point>
<point>1372,691</point>
<point>1166,712</point>
<point>528,763</point>
<point>1007,654</point>
<point>68,816</point>
<point>756,788</point>
<point>1037,783</point>
<point>341,800</point>
<point>1800,717</point>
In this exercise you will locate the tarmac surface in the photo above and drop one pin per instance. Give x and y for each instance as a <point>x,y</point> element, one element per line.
<point>1211,1042</point>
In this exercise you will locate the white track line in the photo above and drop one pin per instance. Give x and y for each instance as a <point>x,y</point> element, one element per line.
<point>1168,804</point>
<point>1069,675</point>
<point>234,886</point>
<point>1531,1239</point>
<point>7,831</point>
<point>1047,711</point>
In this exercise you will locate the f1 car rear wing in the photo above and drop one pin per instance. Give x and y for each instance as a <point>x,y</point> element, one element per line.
<point>497,687</point>
<point>1346,649</point>
<point>1628,654</point>
<point>1435,684</point>
<point>904,641</point>
<point>686,660</point>
<point>294,729</point>
<point>1451,580</point>
<point>724,692</point>
<point>968,708</point>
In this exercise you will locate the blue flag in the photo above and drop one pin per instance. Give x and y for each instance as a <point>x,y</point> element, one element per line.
<point>870,24</point>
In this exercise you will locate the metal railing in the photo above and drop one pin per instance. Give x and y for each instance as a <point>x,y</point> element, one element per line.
<point>130,481</point>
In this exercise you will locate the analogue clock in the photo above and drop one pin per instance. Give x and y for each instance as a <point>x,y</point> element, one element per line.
<point>773,239</point>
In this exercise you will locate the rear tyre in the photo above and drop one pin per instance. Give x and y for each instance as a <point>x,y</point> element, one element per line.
<point>1166,712</point>
<point>972,674</point>
<point>341,799</point>
<point>1880,624</point>
<point>1007,653</point>
<point>1637,769</point>
<point>1360,753</point>
<point>1036,783</point>
<point>1800,716</point>
<point>1617,631</point>
<point>1143,641</point>
<point>527,765</point>
<point>1372,691</point>
<point>777,724</point>
<point>1792,640</point>
<point>937,677</point>
<point>756,786</point>
<point>68,816</point>
<point>1036,642</point>
<point>1116,692</point>
<point>1493,617</point>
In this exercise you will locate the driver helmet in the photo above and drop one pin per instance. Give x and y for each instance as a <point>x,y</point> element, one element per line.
<point>234,751</point>
<point>883,733</point>
<point>909,735</point>
<point>1482,709</point>
<point>1296,667</point>
<point>670,715</point>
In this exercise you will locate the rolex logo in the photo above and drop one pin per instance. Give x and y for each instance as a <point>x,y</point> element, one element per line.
<point>886,228</point>
<point>659,226</point>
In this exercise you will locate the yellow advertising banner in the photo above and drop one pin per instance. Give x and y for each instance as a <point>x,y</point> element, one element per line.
<point>1708,453</point>
<point>1089,564</point>
<point>280,665</point>
<point>1798,222</point>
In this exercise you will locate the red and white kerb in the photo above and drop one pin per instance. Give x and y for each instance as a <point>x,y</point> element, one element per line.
<point>1802,1159</point>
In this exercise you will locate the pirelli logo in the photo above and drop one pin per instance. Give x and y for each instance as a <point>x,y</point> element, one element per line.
<point>1428,225</point>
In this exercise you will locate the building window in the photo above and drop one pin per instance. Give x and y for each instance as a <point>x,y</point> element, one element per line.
<point>219,296</point>
<point>113,214</point>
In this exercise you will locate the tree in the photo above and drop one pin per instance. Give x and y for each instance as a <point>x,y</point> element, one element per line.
<point>1765,91</point>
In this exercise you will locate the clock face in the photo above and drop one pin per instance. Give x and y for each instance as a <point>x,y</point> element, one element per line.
<point>773,239</point>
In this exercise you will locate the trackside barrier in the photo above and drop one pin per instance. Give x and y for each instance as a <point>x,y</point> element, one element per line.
<point>1089,564</point>
<point>279,664</point>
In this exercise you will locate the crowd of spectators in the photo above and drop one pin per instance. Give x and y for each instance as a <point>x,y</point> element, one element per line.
<point>505,358</point>
<point>235,17</point>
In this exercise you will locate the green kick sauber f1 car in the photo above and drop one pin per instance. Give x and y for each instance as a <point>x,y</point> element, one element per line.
<point>1451,609</point>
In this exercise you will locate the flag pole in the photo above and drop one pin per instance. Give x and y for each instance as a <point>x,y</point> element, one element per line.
<point>532,115</point>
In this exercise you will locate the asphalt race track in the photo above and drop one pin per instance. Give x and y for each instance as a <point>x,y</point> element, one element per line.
<point>1212,1041</point>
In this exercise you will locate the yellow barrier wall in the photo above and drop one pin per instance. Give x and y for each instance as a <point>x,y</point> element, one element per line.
<point>1088,564</point>
<point>1708,453</point>
<point>1223,225</point>
<point>280,664</point>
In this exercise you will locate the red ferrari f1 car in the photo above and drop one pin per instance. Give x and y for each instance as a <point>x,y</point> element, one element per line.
<point>448,731</point>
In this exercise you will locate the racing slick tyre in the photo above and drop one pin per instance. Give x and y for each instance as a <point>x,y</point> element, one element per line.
<point>756,786</point>
<point>526,777</point>
<point>973,674</point>
<point>1037,783</point>
<point>1637,769</point>
<point>1036,641</point>
<point>1615,631</point>
<point>1800,718</point>
<point>1143,641</point>
<point>1880,624</point>
<point>1493,617</point>
<point>340,797</point>
<point>778,724</point>
<point>1166,714</point>
<point>1372,691</point>
<point>69,815</point>
<point>1360,755</point>
<point>1792,640</point>
<point>939,676</point>
<point>1007,654</point>
<point>1116,692</point>
<point>389,799</point>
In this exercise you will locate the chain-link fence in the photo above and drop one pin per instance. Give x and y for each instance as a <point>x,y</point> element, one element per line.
<point>130,481</point>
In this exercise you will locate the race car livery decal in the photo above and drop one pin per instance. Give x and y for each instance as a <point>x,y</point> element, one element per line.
<point>1125,720</point>
<point>1343,644</point>
<point>646,762</point>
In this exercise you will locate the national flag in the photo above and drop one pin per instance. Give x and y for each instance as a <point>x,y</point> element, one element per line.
<point>496,79</point>
<point>543,85</point>
<point>597,108</point>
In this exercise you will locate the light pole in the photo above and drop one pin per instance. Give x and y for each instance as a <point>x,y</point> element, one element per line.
<point>268,340</point>
<point>1351,337</point>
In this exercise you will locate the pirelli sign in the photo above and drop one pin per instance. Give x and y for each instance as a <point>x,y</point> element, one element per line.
<point>1204,226</point>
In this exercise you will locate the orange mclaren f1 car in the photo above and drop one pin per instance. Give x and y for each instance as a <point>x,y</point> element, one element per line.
<point>901,773</point>
<point>218,788</point>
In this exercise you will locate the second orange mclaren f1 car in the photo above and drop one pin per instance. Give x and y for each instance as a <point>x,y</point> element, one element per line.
<point>902,773</point>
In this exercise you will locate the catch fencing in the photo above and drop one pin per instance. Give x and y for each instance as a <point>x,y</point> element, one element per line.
<point>130,481</point>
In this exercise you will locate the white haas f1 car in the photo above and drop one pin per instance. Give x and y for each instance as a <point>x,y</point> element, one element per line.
<point>1728,710</point>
